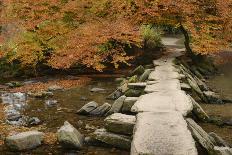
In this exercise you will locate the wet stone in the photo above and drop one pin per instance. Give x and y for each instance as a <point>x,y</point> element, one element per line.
<point>212,97</point>
<point>128,103</point>
<point>101,110</point>
<point>70,137</point>
<point>117,105</point>
<point>115,140</point>
<point>51,103</point>
<point>120,123</point>
<point>24,140</point>
<point>34,121</point>
<point>86,109</point>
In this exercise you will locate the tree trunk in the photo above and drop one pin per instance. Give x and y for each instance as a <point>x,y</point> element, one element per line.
<point>187,42</point>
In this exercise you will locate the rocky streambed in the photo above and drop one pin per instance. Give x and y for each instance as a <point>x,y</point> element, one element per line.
<point>98,118</point>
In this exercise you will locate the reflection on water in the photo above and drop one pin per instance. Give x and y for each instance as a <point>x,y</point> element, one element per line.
<point>223,85</point>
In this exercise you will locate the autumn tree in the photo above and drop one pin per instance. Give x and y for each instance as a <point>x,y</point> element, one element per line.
<point>62,33</point>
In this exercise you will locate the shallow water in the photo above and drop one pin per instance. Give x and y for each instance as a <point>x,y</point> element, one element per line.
<point>223,85</point>
<point>69,102</point>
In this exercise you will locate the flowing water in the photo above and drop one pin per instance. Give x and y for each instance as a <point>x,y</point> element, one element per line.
<point>68,103</point>
<point>222,84</point>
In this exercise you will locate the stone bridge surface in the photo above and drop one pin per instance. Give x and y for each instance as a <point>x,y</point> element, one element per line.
<point>160,127</point>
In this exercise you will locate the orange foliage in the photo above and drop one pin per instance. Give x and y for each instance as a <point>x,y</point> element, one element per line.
<point>63,33</point>
<point>41,86</point>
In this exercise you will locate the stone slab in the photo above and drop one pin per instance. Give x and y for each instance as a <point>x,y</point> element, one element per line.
<point>162,133</point>
<point>176,100</point>
<point>164,75</point>
<point>163,85</point>
<point>137,85</point>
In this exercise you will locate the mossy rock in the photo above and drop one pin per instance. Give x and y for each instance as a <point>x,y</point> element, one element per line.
<point>138,71</point>
<point>133,79</point>
<point>133,93</point>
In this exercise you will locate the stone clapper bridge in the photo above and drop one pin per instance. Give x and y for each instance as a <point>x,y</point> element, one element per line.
<point>160,127</point>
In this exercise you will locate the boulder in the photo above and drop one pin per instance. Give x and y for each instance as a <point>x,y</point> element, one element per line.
<point>198,111</point>
<point>133,93</point>
<point>212,97</point>
<point>119,91</point>
<point>101,110</point>
<point>120,123</point>
<point>196,88</point>
<point>145,75</point>
<point>70,137</point>
<point>115,140</point>
<point>115,95</point>
<point>138,71</point>
<point>24,141</point>
<point>117,105</point>
<point>200,136</point>
<point>95,90</point>
<point>86,109</point>
<point>128,103</point>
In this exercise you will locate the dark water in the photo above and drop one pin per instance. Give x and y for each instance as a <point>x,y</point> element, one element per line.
<point>223,85</point>
<point>69,102</point>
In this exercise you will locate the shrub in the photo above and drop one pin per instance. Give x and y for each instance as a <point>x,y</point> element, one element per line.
<point>151,36</point>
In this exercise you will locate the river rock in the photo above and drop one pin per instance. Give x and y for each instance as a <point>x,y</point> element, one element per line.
<point>128,103</point>
<point>24,141</point>
<point>101,110</point>
<point>117,105</point>
<point>51,103</point>
<point>13,116</point>
<point>95,90</point>
<point>222,150</point>
<point>115,140</point>
<point>138,71</point>
<point>198,111</point>
<point>133,79</point>
<point>133,93</point>
<point>228,122</point>
<point>213,97</point>
<point>86,109</point>
<point>70,137</point>
<point>197,89</point>
<point>115,95</point>
<point>34,121</point>
<point>120,123</point>
<point>145,75</point>
<point>218,140</point>
<point>55,88</point>
<point>200,136</point>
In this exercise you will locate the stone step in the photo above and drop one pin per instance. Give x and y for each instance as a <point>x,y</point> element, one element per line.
<point>164,75</point>
<point>162,133</point>
<point>163,85</point>
<point>140,85</point>
<point>120,123</point>
<point>176,100</point>
<point>128,103</point>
